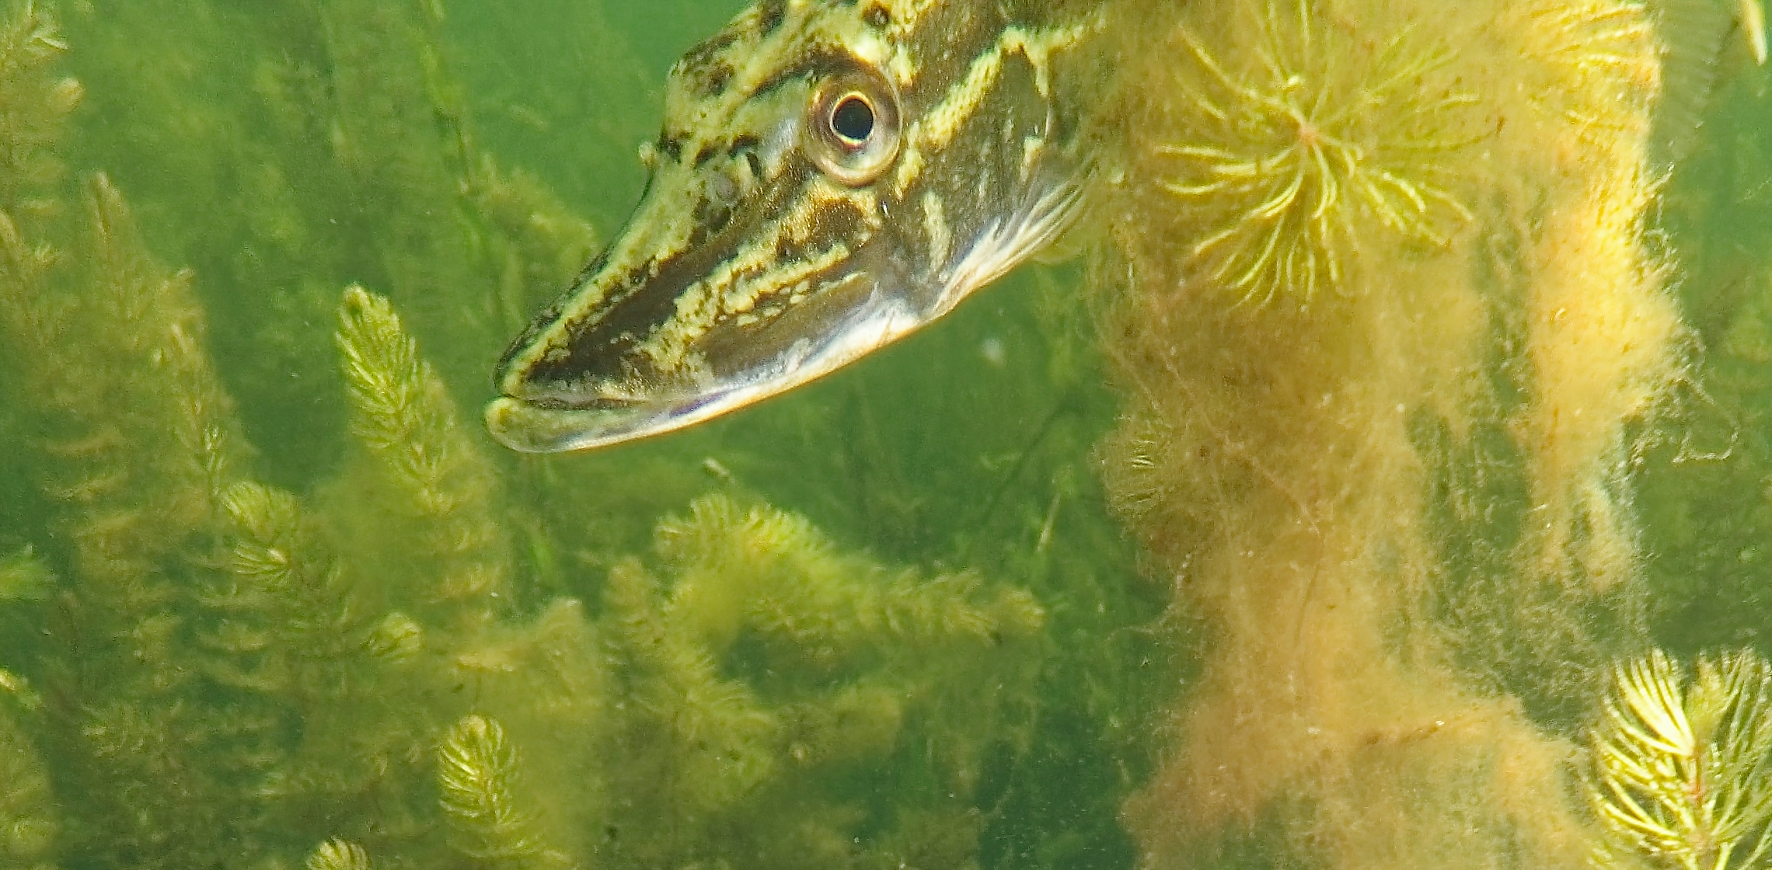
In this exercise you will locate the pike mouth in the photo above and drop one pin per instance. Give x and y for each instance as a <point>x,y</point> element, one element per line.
<point>560,420</point>
<point>548,427</point>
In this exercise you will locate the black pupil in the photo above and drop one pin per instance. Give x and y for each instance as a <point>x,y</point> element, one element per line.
<point>853,119</point>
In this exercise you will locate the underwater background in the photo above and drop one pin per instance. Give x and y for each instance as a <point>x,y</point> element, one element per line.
<point>1107,569</point>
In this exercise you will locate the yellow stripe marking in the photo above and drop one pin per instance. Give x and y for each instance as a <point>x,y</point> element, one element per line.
<point>942,123</point>
<point>750,274</point>
<point>935,227</point>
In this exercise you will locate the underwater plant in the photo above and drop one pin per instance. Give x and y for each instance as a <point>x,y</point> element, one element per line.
<point>28,827</point>
<point>302,629</point>
<point>339,855</point>
<point>1397,515</point>
<point>476,773</point>
<point>277,601</point>
<point>1683,769</point>
<point>1291,161</point>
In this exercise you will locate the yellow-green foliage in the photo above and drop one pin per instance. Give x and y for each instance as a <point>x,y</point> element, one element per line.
<point>477,775</point>
<point>37,103</point>
<point>426,468</point>
<point>771,659</point>
<point>1296,156</point>
<point>134,484</point>
<point>291,636</point>
<point>27,815</point>
<point>536,241</point>
<point>1683,770</point>
<point>1400,511</point>
<point>24,577</point>
<point>339,855</point>
<point>775,573</point>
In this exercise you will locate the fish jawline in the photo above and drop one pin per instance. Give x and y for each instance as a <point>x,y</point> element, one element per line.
<point>535,427</point>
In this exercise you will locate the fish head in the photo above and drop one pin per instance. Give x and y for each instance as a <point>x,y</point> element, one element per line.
<point>831,176</point>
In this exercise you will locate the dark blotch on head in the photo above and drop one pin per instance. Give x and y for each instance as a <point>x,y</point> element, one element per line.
<point>746,145</point>
<point>711,215</point>
<point>770,14</point>
<point>707,51</point>
<point>819,61</point>
<point>671,146</point>
<point>718,76</point>
<point>877,17</point>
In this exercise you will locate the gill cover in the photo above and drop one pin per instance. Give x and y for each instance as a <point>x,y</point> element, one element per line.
<point>831,176</point>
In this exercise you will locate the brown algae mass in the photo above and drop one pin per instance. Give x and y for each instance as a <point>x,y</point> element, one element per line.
<point>1378,690</point>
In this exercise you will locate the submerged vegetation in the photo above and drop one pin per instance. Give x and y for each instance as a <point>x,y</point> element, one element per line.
<point>1398,346</point>
<point>1683,771</point>
<point>1401,514</point>
<point>325,632</point>
<point>1290,156</point>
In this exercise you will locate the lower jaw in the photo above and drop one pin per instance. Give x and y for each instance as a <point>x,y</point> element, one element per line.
<point>532,428</point>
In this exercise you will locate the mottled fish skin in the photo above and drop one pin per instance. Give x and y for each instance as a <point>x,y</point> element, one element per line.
<point>831,176</point>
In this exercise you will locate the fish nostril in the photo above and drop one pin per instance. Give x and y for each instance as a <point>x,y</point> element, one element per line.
<point>724,189</point>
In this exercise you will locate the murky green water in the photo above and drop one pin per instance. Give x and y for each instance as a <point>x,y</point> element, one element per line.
<point>267,584</point>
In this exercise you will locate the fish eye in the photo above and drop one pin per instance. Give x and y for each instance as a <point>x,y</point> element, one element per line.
<point>853,132</point>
